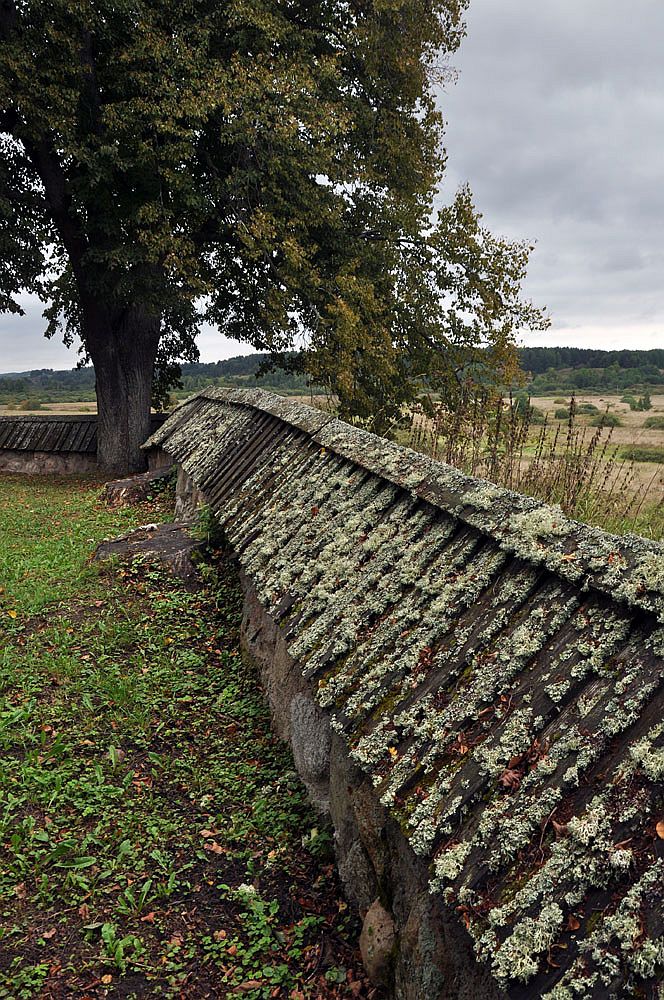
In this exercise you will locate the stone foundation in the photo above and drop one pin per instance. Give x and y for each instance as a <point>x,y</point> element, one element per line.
<point>46,463</point>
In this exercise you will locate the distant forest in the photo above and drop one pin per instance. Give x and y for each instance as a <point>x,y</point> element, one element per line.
<point>566,369</point>
<point>548,369</point>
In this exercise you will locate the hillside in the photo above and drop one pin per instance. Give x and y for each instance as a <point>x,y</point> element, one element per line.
<point>548,369</point>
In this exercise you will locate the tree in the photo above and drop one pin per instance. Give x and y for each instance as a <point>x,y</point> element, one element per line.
<point>266,165</point>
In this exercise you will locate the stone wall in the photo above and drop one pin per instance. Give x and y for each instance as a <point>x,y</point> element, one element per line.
<point>56,444</point>
<point>46,463</point>
<point>473,686</point>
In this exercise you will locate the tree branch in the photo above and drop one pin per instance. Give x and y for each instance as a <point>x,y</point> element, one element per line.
<point>45,161</point>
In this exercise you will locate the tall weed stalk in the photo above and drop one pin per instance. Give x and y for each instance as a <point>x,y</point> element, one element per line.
<point>575,466</point>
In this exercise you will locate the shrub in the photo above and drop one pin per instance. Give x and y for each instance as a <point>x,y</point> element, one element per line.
<point>642,403</point>
<point>638,454</point>
<point>560,402</point>
<point>29,404</point>
<point>561,414</point>
<point>606,420</point>
<point>654,423</point>
<point>587,408</point>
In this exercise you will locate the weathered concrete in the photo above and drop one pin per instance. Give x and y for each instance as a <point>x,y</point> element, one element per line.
<point>169,544</point>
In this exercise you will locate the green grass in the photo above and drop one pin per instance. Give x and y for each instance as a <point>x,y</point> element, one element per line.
<point>48,528</point>
<point>151,828</point>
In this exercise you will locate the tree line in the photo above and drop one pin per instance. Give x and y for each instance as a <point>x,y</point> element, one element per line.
<point>601,370</point>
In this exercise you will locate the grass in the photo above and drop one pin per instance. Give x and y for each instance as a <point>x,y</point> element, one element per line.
<point>154,838</point>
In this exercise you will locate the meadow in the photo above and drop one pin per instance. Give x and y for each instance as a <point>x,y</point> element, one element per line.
<point>154,837</point>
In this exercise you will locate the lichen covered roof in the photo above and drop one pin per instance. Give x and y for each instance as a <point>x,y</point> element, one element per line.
<point>495,668</point>
<point>60,433</point>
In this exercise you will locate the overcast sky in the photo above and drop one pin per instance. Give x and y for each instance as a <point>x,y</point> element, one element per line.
<point>557,122</point>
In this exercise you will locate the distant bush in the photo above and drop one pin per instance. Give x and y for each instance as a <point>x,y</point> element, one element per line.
<point>29,404</point>
<point>654,423</point>
<point>606,420</point>
<point>638,454</point>
<point>642,403</point>
<point>561,414</point>
<point>560,402</point>
<point>587,408</point>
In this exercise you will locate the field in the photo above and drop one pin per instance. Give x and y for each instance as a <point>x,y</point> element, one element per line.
<point>155,840</point>
<point>44,408</point>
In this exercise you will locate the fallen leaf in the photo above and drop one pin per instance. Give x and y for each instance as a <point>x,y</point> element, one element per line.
<point>249,984</point>
<point>49,934</point>
<point>510,779</point>
<point>660,829</point>
<point>84,911</point>
<point>106,979</point>
<point>148,918</point>
<point>12,614</point>
<point>214,847</point>
<point>572,923</point>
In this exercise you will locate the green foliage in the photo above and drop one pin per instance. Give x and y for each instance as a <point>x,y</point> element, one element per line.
<point>636,453</point>
<point>654,423</point>
<point>278,182</point>
<point>567,369</point>
<point>561,414</point>
<point>526,411</point>
<point>606,420</point>
<point>642,403</point>
<point>207,528</point>
<point>587,408</point>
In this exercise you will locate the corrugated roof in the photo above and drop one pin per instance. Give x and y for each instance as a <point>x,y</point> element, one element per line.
<point>54,433</point>
<point>496,669</point>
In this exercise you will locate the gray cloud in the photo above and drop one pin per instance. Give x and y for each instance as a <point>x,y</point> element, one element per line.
<point>557,123</point>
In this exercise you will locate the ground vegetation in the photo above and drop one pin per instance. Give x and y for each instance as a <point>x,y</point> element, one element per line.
<point>155,838</point>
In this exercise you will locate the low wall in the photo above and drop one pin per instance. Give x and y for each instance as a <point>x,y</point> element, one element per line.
<point>473,686</point>
<point>55,444</point>
<point>412,944</point>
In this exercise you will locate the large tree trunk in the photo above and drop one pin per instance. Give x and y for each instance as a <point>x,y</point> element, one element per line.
<point>123,348</point>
